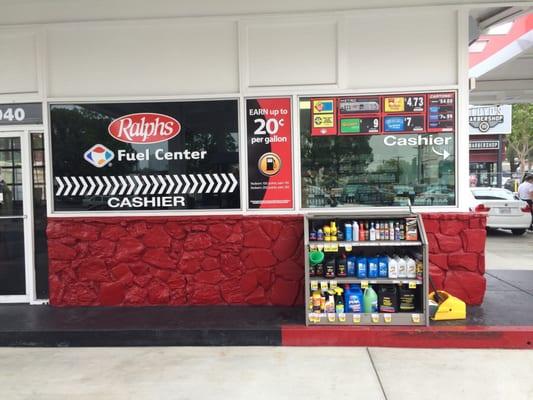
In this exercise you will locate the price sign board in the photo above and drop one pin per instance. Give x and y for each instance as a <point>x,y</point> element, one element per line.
<point>323,117</point>
<point>268,126</point>
<point>404,123</point>
<point>414,103</point>
<point>441,115</point>
<point>21,114</point>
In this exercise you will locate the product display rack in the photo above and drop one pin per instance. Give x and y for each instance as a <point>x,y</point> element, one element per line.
<point>418,317</point>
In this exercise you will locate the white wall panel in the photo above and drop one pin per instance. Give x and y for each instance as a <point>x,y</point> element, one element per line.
<point>292,53</point>
<point>124,59</point>
<point>18,63</point>
<point>414,48</point>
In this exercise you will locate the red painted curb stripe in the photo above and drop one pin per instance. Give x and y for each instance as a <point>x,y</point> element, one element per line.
<point>473,337</point>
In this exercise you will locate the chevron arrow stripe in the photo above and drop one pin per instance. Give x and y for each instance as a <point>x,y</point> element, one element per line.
<point>83,185</point>
<point>100,185</point>
<point>227,183</point>
<point>92,185</point>
<point>61,186</point>
<point>139,184</point>
<point>163,184</point>
<point>76,186</point>
<point>179,183</point>
<point>123,185</point>
<point>116,185</point>
<point>147,184</point>
<point>235,183</point>
<point>195,183</point>
<point>131,183</point>
<point>219,183</point>
<point>107,185</point>
<point>202,183</point>
<point>211,183</point>
<point>156,184</point>
<point>187,183</point>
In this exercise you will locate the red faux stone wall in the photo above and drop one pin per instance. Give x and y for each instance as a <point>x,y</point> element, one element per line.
<point>457,254</point>
<point>176,261</point>
<point>224,260</point>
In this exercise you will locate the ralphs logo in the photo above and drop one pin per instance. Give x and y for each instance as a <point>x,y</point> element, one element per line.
<point>144,128</point>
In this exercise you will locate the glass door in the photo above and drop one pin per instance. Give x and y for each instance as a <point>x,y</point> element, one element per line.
<point>16,252</point>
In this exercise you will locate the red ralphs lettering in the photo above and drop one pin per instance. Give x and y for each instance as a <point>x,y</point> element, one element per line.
<point>144,128</point>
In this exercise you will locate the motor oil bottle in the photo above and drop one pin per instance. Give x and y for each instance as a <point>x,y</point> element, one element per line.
<point>320,235</point>
<point>393,268</point>
<point>339,300</point>
<point>402,267</point>
<point>315,299</point>
<point>333,231</point>
<point>370,300</point>
<point>362,233</point>
<point>397,231</point>
<point>355,231</point>
<point>407,298</point>
<point>327,233</point>
<point>312,234</point>
<point>419,266</point>
<point>329,268</point>
<point>383,267</point>
<point>388,298</point>
<point>372,267</point>
<point>350,265</point>
<point>362,266</point>
<point>341,267</point>
<point>330,302</point>
<point>411,267</point>
<point>391,230</point>
<point>348,232</point>
<point>319,270</point>
<point>367,232</point>
<point>353,299</point>
<point>372,234</point>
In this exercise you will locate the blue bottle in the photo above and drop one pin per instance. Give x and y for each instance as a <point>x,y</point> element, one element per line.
<point>353,299</point>
<point>383,267</point>
<point>350,266</point>
<point>372,267</point>
<point>348,232</point>
<point>361,267</point>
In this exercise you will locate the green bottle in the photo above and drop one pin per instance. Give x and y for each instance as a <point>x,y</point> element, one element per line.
<point>370,300</point>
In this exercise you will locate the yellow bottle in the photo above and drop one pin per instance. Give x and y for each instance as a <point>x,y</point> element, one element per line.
<point>333,231</point>
<point>327,233</point>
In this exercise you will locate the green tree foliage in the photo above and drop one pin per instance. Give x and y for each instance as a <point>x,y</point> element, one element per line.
<point>521,139</point>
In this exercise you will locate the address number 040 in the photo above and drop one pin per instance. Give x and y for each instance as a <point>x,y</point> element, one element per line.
<point>270,126</point>
<point>10,114</point>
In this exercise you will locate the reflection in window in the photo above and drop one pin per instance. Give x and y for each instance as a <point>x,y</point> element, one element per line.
<point>375,170</point>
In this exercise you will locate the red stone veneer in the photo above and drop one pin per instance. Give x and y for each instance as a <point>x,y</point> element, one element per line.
<point>224,259</point>
<point>457,253</point>
<point>176,260</point>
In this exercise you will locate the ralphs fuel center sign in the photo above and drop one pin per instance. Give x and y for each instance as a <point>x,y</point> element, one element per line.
<point>127,156</point>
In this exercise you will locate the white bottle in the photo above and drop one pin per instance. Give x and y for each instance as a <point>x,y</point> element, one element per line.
<point>355,231</point>
<point>393,268</point>
<point>372,235</point>
<point>411,267</point>
<point>391,231</point>
<point>402,267</point>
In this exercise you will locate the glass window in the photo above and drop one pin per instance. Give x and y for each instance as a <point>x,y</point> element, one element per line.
<point>145,156</point>
<point>356,162</point>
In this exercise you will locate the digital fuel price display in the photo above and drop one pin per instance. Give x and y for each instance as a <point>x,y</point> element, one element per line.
<point>441,115</point>
<point>404,123</point>
<point>351,126</point>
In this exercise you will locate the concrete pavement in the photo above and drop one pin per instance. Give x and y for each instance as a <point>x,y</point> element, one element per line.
<point>506,251</point>
<point>263,373</point>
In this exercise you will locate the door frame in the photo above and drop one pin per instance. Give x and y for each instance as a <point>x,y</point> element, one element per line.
<point>27,196</point>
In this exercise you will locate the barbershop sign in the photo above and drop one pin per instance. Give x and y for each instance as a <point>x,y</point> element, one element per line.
<point>491,119</point>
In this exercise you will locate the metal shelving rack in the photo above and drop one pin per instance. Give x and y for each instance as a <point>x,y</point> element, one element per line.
<point>419,318</point>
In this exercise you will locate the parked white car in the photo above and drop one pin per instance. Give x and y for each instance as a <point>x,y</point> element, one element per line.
<point>504,210</point>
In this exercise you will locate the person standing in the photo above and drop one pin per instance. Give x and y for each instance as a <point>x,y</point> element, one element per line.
<point>525,193</point>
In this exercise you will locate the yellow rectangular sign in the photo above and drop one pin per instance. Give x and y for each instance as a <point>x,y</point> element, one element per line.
<point>394,104</point>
